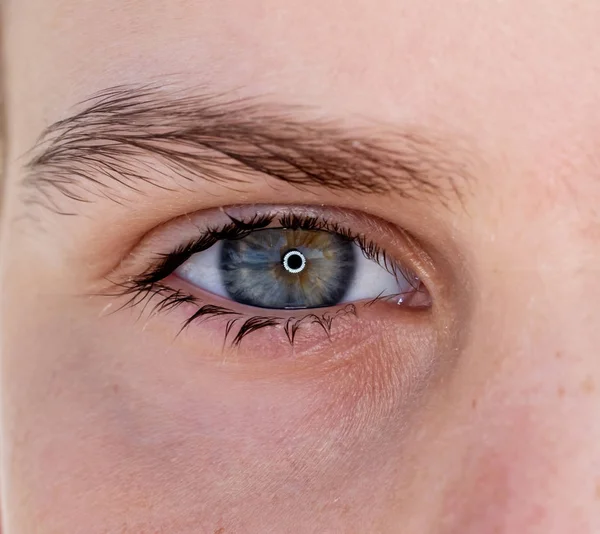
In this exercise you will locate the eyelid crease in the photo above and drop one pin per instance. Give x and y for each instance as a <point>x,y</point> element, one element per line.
<point>101,149</point>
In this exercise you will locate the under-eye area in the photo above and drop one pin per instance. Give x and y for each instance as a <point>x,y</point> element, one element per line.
<point>295,269</point>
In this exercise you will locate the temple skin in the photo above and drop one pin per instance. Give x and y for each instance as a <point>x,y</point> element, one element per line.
<point>480,416</point>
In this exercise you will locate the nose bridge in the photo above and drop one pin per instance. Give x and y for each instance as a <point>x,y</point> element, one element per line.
<point>538,285</point>
<point>532,455</point>
<point>548,306</point>
<point>545,351</point>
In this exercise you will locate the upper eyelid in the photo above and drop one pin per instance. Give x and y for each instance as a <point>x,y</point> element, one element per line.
<point>100,149</point>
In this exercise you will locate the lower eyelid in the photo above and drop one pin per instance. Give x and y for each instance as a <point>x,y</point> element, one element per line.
<point>298,330</point>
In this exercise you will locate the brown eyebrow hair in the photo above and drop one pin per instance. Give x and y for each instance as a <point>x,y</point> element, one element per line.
<point>107,145</point>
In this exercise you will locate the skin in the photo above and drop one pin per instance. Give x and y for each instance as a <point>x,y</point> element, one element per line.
<point>483,417</point>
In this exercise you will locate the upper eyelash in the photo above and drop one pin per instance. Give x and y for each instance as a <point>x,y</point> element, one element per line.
<point>370,249</point>
<point>144,288</point>
<point>238,229</point>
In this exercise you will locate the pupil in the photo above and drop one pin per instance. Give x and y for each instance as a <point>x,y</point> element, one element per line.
<point>294,261</point>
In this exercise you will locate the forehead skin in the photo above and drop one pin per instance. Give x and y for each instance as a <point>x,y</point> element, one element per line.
<point>453,65</point>
<point>518,82</point>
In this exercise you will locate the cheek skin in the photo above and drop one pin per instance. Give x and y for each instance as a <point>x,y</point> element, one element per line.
<point>172,437</point>
<point>493,482</point>
<point>516,479</point>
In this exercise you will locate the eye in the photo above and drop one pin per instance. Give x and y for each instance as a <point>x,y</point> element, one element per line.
<point>317,266</point>
<point>283,268</point>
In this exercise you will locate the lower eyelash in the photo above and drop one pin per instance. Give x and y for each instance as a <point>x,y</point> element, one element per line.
<point>170,299</point>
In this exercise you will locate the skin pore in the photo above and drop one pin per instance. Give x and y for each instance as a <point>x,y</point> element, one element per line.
<point>459,138</point>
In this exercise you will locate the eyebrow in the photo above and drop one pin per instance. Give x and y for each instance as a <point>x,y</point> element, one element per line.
<point>130,136</point>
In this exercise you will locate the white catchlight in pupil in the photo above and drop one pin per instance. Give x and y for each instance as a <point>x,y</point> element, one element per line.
<point>294,262</point>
